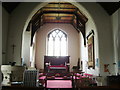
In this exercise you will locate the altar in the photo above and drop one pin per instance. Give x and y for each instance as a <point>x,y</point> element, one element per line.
<point>56,63</point>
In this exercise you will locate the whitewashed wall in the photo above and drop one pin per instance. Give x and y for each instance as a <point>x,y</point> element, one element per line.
<point>119,34</point>
<point>5,27</point>
<point>17,21</point>
<point>116,33</point>
<point>84,50</point>
<point>25,54</point>
<point>104,31</point>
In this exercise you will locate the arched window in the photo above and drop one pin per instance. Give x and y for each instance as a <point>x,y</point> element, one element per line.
<point>57,43</point>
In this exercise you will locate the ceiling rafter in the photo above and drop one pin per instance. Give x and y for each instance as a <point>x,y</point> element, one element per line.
<point>59,15</point>
<point>78,21</point>
<point>57,8</point>
<point>60,3</point>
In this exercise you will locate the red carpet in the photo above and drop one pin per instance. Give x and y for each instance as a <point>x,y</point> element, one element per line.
<point>59,84</point>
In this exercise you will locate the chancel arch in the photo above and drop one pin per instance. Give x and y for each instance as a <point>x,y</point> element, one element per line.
<point>94,23</point>
<point>46,16</point>
<point>77,19</point>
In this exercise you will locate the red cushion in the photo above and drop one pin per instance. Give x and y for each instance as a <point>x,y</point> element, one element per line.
<point>43,77</point>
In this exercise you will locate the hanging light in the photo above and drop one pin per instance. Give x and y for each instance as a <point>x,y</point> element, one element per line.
<point>58,17</point>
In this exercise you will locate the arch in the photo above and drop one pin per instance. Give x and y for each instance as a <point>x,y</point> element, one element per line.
<point>80,7</point>
<point>104,51</point>
<point>59,29</point>
<point>55,30</point>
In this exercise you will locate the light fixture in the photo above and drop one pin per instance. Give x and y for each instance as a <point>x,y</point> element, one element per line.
<point>58,17</point>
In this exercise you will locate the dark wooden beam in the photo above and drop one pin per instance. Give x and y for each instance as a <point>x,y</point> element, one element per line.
<point>65,12</point>
<point>35,25</point>
<point>75,27</point>
<point>59,22</point>
<point>83,31</point>
<point>80,19</point>
<point>60,12</point>
<point>56,16</point>
<point>28,27</point>
<point>81,16</point>
<point>57,8</point>
<point>60,3</point>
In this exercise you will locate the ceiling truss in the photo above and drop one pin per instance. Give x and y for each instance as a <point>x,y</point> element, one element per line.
<point>59,13</point>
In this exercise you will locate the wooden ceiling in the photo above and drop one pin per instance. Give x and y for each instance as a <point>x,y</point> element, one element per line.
<point>60,13</point>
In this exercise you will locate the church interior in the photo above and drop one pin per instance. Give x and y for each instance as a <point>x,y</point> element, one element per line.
<point>60,45</point>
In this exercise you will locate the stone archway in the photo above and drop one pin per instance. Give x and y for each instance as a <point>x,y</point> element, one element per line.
<point>89,28</point>
<point>104,49</point>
